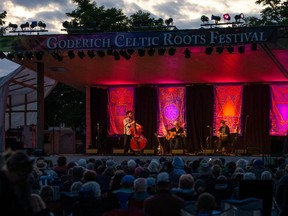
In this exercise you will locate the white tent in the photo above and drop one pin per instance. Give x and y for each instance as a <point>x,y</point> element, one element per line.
<point>18,87</point>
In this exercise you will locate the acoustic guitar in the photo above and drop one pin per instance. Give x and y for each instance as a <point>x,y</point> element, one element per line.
<point>172,134</point>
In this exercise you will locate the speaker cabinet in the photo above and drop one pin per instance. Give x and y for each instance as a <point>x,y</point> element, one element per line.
<point>240,151</point>
<point>91,151</point>
<point>177,151</point>
<point>208,151</point>
<point>149,151</point>
<point>118,151</point>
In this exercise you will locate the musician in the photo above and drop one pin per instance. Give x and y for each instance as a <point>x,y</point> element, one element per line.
<point>176,136</point>
<point>223,134</point>
<point>127,122</point>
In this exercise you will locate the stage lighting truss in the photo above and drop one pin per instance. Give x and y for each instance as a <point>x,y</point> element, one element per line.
<point>34,26</point>
<point>226,17</point>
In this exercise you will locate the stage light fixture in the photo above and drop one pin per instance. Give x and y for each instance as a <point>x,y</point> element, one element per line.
<point>141,52</point>
<point>161,51</point>
<point>159,22</point>
<point>91,54</point>
<point>241,49</point>
<point>230,49</point>
<point>2,55</point>
<point>39,55</point>
<point>109,52</point>
<point>151,52</point>
<point>169,21</point>
<point>204,19</point>
<point>216,18</point>
<point>57,56</point>
<point>81,54</point>
<point>24,26</point>
<point>101,53</point>
<point>29,55</point>
<point>171,51</point>
<point>238,17</point>
<point>12,26</point>
<point>226,17</point>
<point>42,25</point>
<point>71,54</point>
<point>219,50</point>
<point>187,53</point>
<point>116,55</point>
<point>124,54</point>
<point>66,24</point>
<point>130,51</point>
<point>209,50</point>
<point>33,24</point>
<point>254,46</point>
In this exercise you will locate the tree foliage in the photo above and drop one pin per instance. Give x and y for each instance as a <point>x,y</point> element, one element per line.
<point>275,12</point>
<point>2,22</point>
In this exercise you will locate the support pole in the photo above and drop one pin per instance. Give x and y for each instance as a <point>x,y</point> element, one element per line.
<point>40,105</point>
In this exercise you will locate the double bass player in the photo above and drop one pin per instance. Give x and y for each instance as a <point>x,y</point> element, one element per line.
<point>128,122</point>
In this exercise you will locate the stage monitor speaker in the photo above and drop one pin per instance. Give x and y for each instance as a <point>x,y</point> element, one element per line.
<point>118,151</point>
<point>240,151</point>
<point>92,151</point>
<point>149,151</point>
<point>209,151</point>
<point>177,151</point>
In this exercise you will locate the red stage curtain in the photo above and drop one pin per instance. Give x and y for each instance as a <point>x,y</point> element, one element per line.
<point>120,99</point>
<point>171,107</point>
<point>279,110</point>
<point>228,106</point>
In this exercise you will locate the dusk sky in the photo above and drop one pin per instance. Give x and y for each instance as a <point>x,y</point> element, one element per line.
<point>185,13</point>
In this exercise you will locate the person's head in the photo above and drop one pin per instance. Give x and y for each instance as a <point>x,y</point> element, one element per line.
<point>129,113</point>
<point>186,181</point>
<point>176,124</point>
<point>205,203</point>
<point>140,185</point>
<point>163,181</point>
<point>37,203</point>
<point>222,122</point>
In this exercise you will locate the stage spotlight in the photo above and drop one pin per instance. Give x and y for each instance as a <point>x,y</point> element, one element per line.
<point>13,26</point>
<point>209,50</point>
<point>24,26</point>
<point>226,17</point>
<point>116,56</point>
<point>66,24</point>
<point>239,17</point>
<point>39,55</point>
<point>216,18</point>
<point>33,24</point>
<point>169,21</point>
<point>171,51</point>
<point>2,55</point>
<point>204,19</point>
<point>109,52</point>
<point>101,53</point>
<point>159,22</point>
<point>254,46</point>
<point>130,51</point>
<point>81,54</point>
<point>141,52</point>
<point>151,52</point>
<point>187,53</point>
<point>71,54</point>
<point>42,25</point>
<point>57,56</point>
<point>219,50</point>
<point>124,54</point>
<point>29,55</point>
<point>161,51</point>
<point>230,49</point>
<point>91,54</point>
<point>241,49</point>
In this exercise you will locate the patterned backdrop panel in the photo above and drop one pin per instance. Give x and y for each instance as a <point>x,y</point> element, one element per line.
<point>120,100</point>
<point>228,106</point>
<point>279,110</point>
<point>171,108</point>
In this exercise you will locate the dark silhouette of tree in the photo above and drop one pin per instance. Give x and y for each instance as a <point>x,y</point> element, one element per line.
<point>2,22</point>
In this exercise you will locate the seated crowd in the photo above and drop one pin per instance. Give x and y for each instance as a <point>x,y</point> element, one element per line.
<point>164,186</point>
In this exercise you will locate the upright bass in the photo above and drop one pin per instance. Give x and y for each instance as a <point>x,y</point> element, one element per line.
<point>138,141</point>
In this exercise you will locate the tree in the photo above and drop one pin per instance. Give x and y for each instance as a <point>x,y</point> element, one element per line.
<point>2,22</point>
<point>274,12</point>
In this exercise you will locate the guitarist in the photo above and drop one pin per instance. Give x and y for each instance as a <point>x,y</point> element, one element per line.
<point>223,135</point>
<point>176,136</point>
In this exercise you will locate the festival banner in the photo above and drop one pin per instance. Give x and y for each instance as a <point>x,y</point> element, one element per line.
<point>171,108</point>
<point>279,110</point>
<point>120,100</point>
<point>228,107</point>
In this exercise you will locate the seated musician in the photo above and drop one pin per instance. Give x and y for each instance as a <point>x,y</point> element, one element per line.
<point>176,136</point>
<point>223,135</point>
